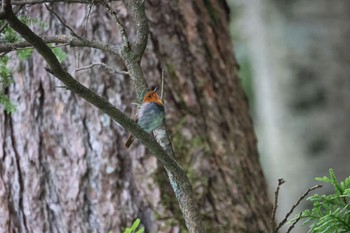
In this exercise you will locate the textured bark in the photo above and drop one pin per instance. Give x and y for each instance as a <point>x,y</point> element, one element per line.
<point>64,168</point>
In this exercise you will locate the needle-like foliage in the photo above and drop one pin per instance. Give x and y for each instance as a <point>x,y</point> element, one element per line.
<point>330,213</point>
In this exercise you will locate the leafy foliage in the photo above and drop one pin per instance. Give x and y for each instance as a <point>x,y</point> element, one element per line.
<point>133,228</point>
<point>5,81</point>
<point>6,102</point>
<point>60,54</point>
<point>5,73</point>
<point>8,35</point>
<point>24,54</point>
<point>31,21</point>
<point>330,213</point>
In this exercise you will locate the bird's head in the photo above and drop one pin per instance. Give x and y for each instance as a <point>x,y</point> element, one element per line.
<point>152,96</point>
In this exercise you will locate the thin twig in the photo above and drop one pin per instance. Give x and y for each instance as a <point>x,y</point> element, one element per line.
<point>295,205</point>
<point>88,16</point>
<point>294,223</point>
<point>59,45</point>
<point>107,67</point>
<point>116,20</point>
<point>3,27</point>
<point>63,87</point>
<point>62,22</point>
<point>162,87</point>
<point>273,216</point>
<point>16,11</point>
<point>30,2</point>
<point>64,39</point>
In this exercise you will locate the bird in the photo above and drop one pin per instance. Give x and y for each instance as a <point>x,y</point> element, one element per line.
<point>150,115</point>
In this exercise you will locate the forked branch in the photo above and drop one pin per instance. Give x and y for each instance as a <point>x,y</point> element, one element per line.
<point>285,219</point>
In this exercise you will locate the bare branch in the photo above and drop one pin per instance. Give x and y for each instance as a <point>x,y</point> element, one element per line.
<point>63,39</point>
<point>119,24</point>
<point>62,22</point>
<point>162,86</point>
<point>132,56</point>
<point>273,216</point>
<point>294,223</point>
<point>137,10</point>
<point>88,16</point>
<point>30,2</point>
<point>295,205</point>
<point>3,27</point>
<point>107,67</point>
<point>5,9</point>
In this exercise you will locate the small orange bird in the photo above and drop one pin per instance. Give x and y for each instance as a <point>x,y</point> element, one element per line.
<point>150,115</point>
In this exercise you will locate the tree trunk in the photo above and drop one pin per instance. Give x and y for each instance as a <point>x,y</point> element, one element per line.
<point>63,164</point>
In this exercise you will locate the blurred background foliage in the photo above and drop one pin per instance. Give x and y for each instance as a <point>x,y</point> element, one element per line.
<point>294,58</point>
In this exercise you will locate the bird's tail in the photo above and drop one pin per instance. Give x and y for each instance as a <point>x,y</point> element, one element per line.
<point>129,141</point>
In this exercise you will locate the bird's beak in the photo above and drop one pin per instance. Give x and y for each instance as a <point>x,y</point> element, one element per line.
<point>155,89</point>
<point>160,102</point>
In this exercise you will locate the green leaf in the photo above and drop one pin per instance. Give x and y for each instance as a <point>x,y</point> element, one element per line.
<point>5,73</point>
<point>24,54</point>
<point>346,192</point>
<point>141,230</point>
<point>4,60</point>
<point>8,105</point>
<point>60,54</point>
<point>10,35</point>
<point>324,179</point>
<point>330,213</point>
<point>128,230</point>
<point>337,188</point>
<point>5,76</point>
<point>135,224</point>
